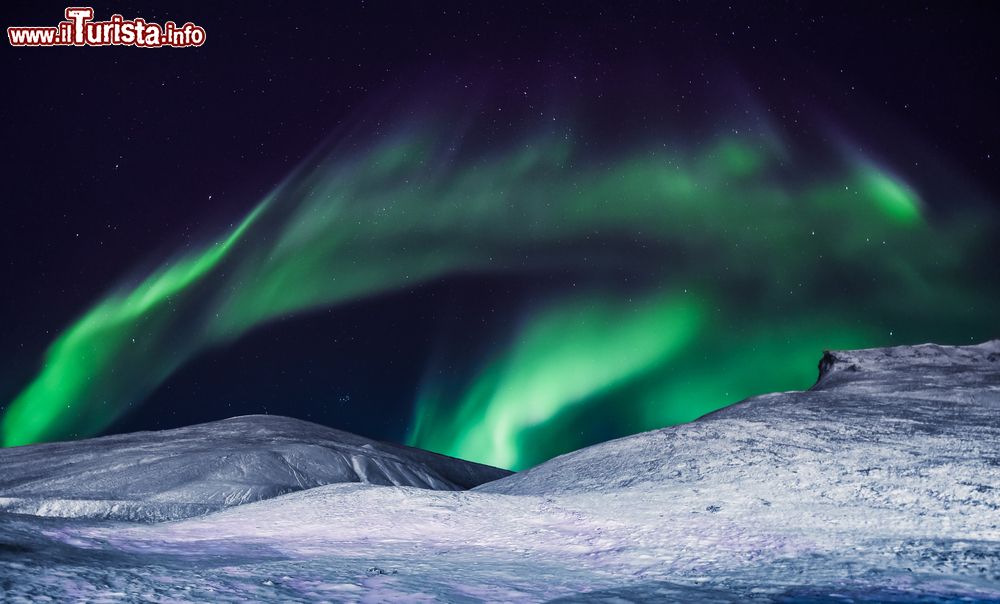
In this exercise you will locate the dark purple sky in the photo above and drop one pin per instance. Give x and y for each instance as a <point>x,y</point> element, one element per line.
<point>114,157</point>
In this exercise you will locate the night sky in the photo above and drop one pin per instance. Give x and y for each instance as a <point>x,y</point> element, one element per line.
<point>497,231</point>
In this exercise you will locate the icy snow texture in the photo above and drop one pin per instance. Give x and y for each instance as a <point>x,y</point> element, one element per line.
<point>882,483</point>
<point>903,428</point>
<point>189,471</point>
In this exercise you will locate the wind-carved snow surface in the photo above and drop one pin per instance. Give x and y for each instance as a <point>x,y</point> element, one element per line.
<point>882,483</point>
<point>171,474</point>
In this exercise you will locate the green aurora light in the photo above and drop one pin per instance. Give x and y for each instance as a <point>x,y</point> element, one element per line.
<point>743,271</point>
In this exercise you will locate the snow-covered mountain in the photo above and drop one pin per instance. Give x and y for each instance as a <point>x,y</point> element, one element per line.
<point>914,426</point>
<point>193,470</point>
<point>881,483</point>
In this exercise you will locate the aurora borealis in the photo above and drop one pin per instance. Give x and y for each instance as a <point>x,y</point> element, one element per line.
<point>701,242</point>
<point>539,232</point>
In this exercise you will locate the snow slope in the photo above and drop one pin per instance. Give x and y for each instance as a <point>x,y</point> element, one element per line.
<point>197,469</point>
<point>882,483</point>
<point>915,426</point>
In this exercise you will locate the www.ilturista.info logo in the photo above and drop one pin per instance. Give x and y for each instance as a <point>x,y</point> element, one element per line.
<point>80,29</point>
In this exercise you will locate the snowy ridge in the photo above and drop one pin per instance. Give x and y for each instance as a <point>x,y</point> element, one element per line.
<point>908,414</point>
<point>188,471</point>
<point>933,357</point>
